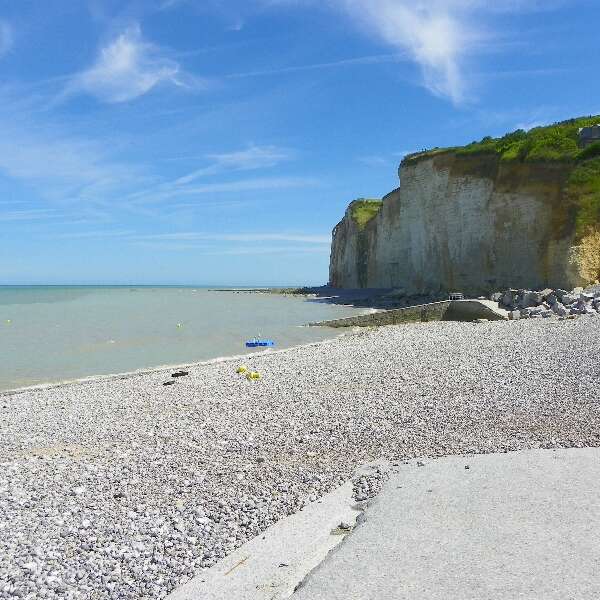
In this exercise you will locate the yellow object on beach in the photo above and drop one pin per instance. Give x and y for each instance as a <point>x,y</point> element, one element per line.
<point>253,375</point>
<point>242,369</point>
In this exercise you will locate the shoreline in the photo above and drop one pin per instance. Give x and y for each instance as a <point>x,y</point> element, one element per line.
<point>117,374</point>
<point>160,368</point>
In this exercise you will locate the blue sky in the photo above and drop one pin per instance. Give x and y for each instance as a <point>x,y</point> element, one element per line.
<point>219,141</point>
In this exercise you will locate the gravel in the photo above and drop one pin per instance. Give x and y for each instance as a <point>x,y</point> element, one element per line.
<point>124,488</point>
<point>365,487</point>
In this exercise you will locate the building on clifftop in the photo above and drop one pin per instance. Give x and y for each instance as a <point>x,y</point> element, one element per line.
<point>589,135</point>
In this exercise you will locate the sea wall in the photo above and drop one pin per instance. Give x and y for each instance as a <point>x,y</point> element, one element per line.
<point>446,310</point>
<point>466,223</point>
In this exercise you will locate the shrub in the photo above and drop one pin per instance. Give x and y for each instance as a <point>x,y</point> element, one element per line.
<point>591,151</point>
<point>583,190</point>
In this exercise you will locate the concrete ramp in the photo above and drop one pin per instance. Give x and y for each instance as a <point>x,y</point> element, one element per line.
<point>447,310</point>
<point>517,526</point>
<point>272,565</point>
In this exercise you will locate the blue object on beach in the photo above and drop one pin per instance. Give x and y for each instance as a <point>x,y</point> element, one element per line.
<point>253,343</point>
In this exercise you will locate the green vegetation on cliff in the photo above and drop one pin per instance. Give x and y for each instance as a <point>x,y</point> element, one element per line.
<point>363,210</point>
<point>583,190</point>
<point>557,143</point>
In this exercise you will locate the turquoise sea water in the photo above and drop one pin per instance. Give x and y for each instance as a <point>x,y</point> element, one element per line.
<point>50,334</point>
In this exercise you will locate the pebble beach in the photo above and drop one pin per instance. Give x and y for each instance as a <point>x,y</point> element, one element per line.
<point>123,487</point>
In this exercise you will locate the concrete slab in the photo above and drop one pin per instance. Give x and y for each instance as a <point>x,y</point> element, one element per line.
<point>522,525</point>
<point>270,566</point>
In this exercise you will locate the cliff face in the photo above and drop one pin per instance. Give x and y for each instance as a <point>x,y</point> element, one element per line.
<point>352,248</point>
<point>472,223</point>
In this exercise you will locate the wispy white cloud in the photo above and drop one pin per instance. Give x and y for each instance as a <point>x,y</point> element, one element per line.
<point>442,37</point>
<point>279,250</point>
<point>168,191</point>
<point>230,12</point>
<point>62,166</point>
<point>237,237</point>
<point>252,158</point>
<point>73,172</point>
<point>198,236</point>
<point>34,214</point>
<point>374,161</point>
<point>498,122</point>
<point>129,67</point>
<point>100,234</point>
<point>237,251</point>
<point>6,37</point>
<point>371,59</point>
<point>437,35</point>
<point>213,244</point>
<point>80,175</point>
<point>403,153</point>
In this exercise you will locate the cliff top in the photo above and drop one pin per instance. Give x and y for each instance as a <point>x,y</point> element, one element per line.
<point>363,210</point>
<point>558,142</point>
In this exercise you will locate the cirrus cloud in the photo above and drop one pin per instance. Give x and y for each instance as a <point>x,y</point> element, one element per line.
<point>437,35</point>
<point>442,37</point>
<point>129,67</point>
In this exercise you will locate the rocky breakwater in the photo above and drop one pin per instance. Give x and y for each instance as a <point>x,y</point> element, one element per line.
<point>510,212</point>
<point>526,304</point>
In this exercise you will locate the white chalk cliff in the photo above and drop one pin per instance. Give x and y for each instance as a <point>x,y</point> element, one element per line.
<point>466,223</point>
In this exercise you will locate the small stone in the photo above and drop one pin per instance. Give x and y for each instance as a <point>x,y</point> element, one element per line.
<point>180,374</point>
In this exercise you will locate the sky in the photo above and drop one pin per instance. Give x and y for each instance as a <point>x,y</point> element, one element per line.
<point>218,142</point>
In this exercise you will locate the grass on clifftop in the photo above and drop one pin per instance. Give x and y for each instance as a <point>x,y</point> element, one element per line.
<point>363,210</point>
<point>557,143</point>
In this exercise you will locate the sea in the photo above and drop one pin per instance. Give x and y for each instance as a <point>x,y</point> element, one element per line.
<point>50,334</point>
